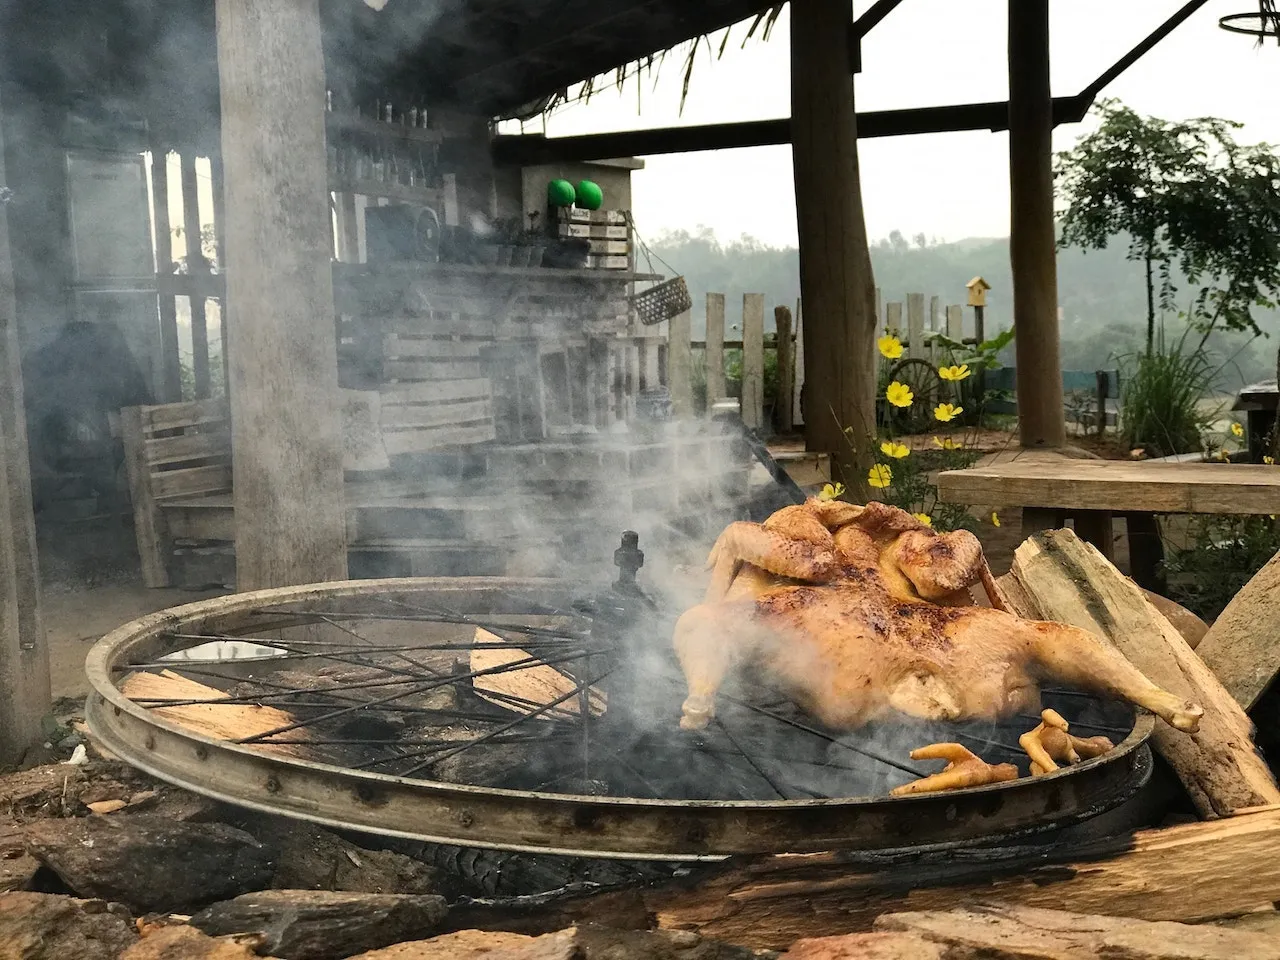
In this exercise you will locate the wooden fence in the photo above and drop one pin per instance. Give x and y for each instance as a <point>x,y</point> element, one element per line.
<point>683,353</point>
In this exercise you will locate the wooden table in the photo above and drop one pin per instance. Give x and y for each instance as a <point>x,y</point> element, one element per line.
<point>1091,492</point>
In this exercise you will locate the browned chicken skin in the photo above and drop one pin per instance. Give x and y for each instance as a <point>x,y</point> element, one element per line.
<point>866,642</point>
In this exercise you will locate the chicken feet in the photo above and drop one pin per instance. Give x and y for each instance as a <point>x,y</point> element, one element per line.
<point>963,769</point>
<point>1050,744</point>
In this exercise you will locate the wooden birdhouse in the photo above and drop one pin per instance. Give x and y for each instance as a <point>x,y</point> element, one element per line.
<point>978,292</point>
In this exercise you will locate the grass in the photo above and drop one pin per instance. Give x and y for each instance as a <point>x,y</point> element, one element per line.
<point>1161,408</point>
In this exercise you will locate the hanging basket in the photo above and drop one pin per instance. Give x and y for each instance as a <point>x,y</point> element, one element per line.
<point>662,301</point>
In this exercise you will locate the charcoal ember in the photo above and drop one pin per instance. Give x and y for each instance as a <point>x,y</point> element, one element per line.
<point>497,873</point>
<point>188,943</point>
<point>39,926</point>
<point>313,858</point>
<point>323,924</point>
<point>150,863</point>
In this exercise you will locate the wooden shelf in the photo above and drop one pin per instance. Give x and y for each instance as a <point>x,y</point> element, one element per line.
<point>393,191</point>
<point>425,271</point>
<point>342,123</point>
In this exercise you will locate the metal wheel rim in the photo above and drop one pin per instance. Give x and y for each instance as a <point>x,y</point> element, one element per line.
<point>566,824</point>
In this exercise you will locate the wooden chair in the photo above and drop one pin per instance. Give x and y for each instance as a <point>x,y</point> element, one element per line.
<point>178,458</point>
<point>174,453</point>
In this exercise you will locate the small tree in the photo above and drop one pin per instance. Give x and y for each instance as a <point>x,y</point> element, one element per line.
<point>1188,196</point>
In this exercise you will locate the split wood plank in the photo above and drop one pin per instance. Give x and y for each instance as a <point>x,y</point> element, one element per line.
<point>1241,647</point>
<point>715,349</point>
<point>169,388</point>
<point>1188,874</point>
<point>1117,486</point>
<point>421,439</point>
<point>753,360</point>
<point>525,690</point>
<point>680,365</point>
<point>1029,933</point>
<point>1071,582</point>
<point>225,721</point>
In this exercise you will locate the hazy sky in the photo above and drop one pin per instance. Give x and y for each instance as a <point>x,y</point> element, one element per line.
<point>925,53</point>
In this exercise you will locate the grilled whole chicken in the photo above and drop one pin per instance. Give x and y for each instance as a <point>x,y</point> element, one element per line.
<point>883,624</point>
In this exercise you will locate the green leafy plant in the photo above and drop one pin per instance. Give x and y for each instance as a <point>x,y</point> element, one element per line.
<point>1162,394</point>
<point>1222,555</point>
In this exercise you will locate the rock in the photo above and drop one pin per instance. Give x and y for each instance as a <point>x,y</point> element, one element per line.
<point>39,926</point>
<point>867,946</point>
<point>62,790</point>
<point>322,924</point>
<point>187,943</point>
<point>483,945</point>
<point>605,943</point>
<point>585,942</point>
<point>17,867</point>
<point>312,858</point>
<point>151,863</point>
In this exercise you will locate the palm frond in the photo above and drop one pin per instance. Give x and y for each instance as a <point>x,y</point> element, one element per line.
<point>761,25</point>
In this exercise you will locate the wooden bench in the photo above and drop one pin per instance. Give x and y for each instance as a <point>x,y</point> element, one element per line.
<point>1051,488</point>
<point>178,460</point>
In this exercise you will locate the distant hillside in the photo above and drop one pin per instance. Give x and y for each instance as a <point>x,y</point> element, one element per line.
<point>1102,294</point>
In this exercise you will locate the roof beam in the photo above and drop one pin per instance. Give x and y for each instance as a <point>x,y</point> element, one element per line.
<point>761,133</point>
<point>993,116</point>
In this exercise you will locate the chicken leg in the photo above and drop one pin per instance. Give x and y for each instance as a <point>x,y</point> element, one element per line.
<point>963,769</point>
<point>1050,744</point>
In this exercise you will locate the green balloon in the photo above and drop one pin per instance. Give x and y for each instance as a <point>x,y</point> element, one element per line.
<point>590,196</point>
<point>560,193</point>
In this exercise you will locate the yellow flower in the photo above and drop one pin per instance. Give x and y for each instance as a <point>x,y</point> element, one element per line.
<point>946,443</point>
<point>1237,430</point>
<point>880,476</point>
<point>899,394</point>
<point>954,373</point>
<point>1269,460</point>
<point>895,450</point>
<point>995,519</point>
<point>830,492</point>
<point>947,412</point>
<point>890,347</point>
<point>925,519</point>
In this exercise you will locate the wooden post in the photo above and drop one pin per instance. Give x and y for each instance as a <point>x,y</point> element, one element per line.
<point>169,380</point>
<point>933,328</point>
<point>915,324</point>
<point>286,434</point>
<point>1041,422</point>
<point>879,310</point>
<point>715,349</point>
<point>197,269</point>
<point>679,366</point>
<point>782,408</point>
<point>955,321</point>
<point>24,657</point>
<point>797,408</point>
<point>220,248</point>
<point>836,279</point>
<point>753,360</point>
<point>1104,390</point>
<point>893,319</point>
